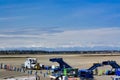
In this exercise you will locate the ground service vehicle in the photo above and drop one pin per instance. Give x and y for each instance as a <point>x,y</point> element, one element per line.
<point>88,73</point>
<point>61,63</point>
<point>31,63</point>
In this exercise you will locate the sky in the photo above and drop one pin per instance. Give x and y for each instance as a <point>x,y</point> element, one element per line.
<point>60,24</point>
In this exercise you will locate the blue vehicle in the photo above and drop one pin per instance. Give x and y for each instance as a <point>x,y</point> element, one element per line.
<point>88,73</point>
<point>61,63</point>
<point>115,67</point>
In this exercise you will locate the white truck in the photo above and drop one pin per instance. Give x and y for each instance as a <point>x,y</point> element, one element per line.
<point>31,63</point>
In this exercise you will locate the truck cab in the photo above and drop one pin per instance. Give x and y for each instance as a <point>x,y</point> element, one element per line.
<point>30,63</point>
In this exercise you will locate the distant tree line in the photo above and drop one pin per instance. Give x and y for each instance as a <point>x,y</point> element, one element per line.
<point>13,52</point>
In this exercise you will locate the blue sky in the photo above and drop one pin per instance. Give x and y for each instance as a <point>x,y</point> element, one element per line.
<point>58,24</point>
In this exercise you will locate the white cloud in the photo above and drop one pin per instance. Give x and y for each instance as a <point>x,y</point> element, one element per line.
<point>109,37</point>
<point>9,18</point>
